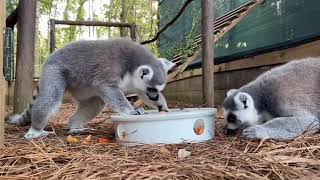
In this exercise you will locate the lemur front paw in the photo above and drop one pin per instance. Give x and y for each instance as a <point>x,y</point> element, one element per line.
<point>255,132</point>
<point>138,111</point>
<point>17,119</point>
<point>34,134</point>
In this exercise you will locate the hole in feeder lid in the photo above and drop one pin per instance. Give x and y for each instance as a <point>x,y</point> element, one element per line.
<point>198,127</point>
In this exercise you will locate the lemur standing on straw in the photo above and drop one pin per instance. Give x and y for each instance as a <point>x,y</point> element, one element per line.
<point>96,73</point>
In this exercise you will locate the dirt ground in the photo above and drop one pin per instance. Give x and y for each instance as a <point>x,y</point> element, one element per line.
<point>222,158</point>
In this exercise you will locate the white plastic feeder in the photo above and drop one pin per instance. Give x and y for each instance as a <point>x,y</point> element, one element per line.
<point>189,125</point>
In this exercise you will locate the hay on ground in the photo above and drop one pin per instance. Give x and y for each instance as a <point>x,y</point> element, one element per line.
<point>221,158</point>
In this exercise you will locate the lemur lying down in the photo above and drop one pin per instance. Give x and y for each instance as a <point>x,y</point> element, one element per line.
<point>96,73</point>
<point>280,104</point>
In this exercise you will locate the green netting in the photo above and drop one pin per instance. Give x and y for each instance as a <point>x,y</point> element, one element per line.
<point>274,24</point>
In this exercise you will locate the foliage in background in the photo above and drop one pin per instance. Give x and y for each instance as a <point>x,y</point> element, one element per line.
<point>143,13</point>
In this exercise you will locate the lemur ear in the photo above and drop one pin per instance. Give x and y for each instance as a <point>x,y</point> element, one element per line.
<point>231,91</point>
<point>168,65</point>
<point>145,72</point>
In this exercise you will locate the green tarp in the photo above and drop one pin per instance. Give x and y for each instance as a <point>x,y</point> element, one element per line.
<point>274,24</point>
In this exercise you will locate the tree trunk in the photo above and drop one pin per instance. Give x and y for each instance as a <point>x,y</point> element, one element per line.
<point>109,19</point>
<point>123,16</point>
<point>25,54</point>
<point>207,52</point>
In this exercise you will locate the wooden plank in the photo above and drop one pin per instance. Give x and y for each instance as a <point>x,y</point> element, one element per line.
<point>2,80</point>
<point>133,32</point>
<point>25,54</point>
<point>52,35</point>
<point>273,58</point>
<point>93,23</point>
<point>207,52</point>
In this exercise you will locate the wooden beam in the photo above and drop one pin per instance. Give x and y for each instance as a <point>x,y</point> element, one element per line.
<point>269,59</point>
<point>133,32</point>
<point>207,52</point>
<point>53,23</point>
<point>25,54</point>
<point>2,80</point>
<point>52,35</point>
<point>93,23</point>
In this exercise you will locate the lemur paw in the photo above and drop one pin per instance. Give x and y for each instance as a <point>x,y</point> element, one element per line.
<point>16,119</point>
<point>138,111</point>
<point>34,134</point>
<point>255,132</point>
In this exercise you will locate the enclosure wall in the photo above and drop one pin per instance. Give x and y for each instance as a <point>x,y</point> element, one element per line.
<point>187,86</point>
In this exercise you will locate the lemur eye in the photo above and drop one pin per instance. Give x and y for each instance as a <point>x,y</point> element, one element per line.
<point>144,72</point>
<point>243,99</point>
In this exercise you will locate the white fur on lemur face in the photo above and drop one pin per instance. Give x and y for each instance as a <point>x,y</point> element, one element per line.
<point>239,111</point>
<point>142,78</point>
<point>142,83</point>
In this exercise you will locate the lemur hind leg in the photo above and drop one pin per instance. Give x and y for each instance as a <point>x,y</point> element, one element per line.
<point>51,90</point>
<point>87,110</point>
<point>283,128</point>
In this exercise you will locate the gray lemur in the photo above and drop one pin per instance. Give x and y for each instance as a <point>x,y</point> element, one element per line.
<point>280,104</point>
<point>96,73</point>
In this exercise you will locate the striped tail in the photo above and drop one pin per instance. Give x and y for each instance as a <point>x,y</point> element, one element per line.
<point>24,118</point>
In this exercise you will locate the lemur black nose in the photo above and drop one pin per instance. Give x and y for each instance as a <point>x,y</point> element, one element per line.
<point>232,118</point>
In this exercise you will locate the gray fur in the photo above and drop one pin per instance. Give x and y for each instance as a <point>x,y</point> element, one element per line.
<point>287,100</point>
<point>96,73</point>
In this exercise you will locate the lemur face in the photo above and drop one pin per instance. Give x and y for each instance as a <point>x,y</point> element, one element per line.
<point>149,81</point>
<point>239,112</point>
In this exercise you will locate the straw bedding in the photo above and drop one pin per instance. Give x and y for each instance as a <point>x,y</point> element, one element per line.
<point>222,158</point>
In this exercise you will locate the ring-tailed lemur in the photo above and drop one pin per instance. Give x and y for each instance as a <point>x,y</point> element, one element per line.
<point>280,104</point>
<point>96,73</point>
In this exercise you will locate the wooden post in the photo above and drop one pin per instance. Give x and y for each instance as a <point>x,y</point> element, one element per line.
<point>207,30</point>
<point>133,32</point>
<point>2,81</point>
<point>25,54</point>
<point>52,35</point>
